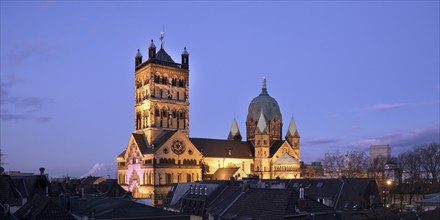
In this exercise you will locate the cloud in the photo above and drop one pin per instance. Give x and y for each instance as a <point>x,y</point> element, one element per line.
<point>6,116</point>
<point>385,106</point>
<point>320,141</point>
<point>402,139</point>
<point>101,169</point>
<point>19,108</point>
<point>36,50</point>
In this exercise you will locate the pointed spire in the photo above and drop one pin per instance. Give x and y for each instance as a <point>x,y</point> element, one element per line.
<point>234,134</point>
<point>292,131</point>
<point>152,44</point>
<point>264,89</point>
<point>139,53</point>
<point>261,125</point>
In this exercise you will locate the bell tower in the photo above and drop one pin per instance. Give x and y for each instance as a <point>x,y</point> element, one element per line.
<point>161,93</point>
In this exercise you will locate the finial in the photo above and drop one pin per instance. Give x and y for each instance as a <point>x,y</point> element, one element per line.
<point>264,82</point>
<point>264,89</point>
<point>161,38</point>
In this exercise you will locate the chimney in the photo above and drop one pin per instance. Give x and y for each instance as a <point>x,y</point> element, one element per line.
<point>302,203</point>
<point>231,181</point>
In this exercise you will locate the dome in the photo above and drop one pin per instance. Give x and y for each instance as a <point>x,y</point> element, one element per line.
<point>266,103</point>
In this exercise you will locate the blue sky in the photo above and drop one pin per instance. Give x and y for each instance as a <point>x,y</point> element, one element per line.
<point>350,73</point>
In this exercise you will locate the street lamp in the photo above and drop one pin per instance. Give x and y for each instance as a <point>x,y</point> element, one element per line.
<point>389,183</point>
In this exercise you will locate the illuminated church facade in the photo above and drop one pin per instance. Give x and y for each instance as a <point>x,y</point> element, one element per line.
<point>160,151</point>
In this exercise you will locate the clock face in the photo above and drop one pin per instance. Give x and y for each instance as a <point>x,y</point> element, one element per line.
<point>178,147</point>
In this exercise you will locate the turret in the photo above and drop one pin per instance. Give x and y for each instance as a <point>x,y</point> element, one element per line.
<point>185,59</point>
<point>152,50</point>
<point>138,59</point>
<point>292,135</point>
<point>234,134</point>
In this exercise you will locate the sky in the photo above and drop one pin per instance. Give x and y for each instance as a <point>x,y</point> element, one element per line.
<point>351,73</point>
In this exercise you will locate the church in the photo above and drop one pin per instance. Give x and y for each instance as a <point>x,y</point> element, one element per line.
<point>161,152</point>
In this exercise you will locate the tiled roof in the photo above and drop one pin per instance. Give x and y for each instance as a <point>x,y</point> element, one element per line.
<point>222,148</point>
<point>41,207</point>
<point>355,192</point>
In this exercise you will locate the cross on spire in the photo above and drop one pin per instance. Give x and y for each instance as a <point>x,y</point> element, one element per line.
<point>161,38</point>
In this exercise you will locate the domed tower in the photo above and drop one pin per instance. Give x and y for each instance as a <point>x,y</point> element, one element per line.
<point>268,106</point>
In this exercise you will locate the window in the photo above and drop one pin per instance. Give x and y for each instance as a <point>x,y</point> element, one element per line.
<point>188,178</point>
<point>168,178</point>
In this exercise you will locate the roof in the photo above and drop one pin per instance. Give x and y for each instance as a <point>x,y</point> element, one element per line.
<point>225,173</point>
<point>275,146</point>
<point>224,200</point>
<point>163,56</point>
<point>41,207</point>
<point>163,137</point>
<point>264,102</point>
<point>92,180</point>
<point>112,208</point>
<point>285,158</point>
<point>434,201</point>
<point>142,143</point>
<point>292,131</point>
<point>259,204</point>
<point>261,125</point>
<point>223,148</point>
<point>234,133</point>
<point>8,192</point>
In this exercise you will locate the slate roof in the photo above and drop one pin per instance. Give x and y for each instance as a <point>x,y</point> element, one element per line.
<point>345,193</point>
<point>142,143</point>
<point>41,207</point>
<point>90,180</point>
<point>220,148</point>
<point>163,55</point>
<point>314,188</point>
<point>162,138</point>
<point>117,208</point>
<point>356,192</point>
<point>8,192</point>
<point>259,204</point>
<point>275,146</point>
<point>224,200</point>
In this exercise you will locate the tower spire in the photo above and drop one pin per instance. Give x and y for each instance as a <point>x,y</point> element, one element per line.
<point>292,131</point>
<point>234,134</point>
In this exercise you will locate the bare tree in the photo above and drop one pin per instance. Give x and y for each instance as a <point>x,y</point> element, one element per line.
<point>430,159</point>
<point>352,164</point>
<point>333,163</point>
<point>356,164</point>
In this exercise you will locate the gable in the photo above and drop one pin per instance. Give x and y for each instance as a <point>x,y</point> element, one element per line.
<point>134,147</point>
<point>284,147</point>
<point>175,144</point>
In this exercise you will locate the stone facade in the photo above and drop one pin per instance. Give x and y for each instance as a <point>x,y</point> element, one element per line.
<point>160,152</point>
